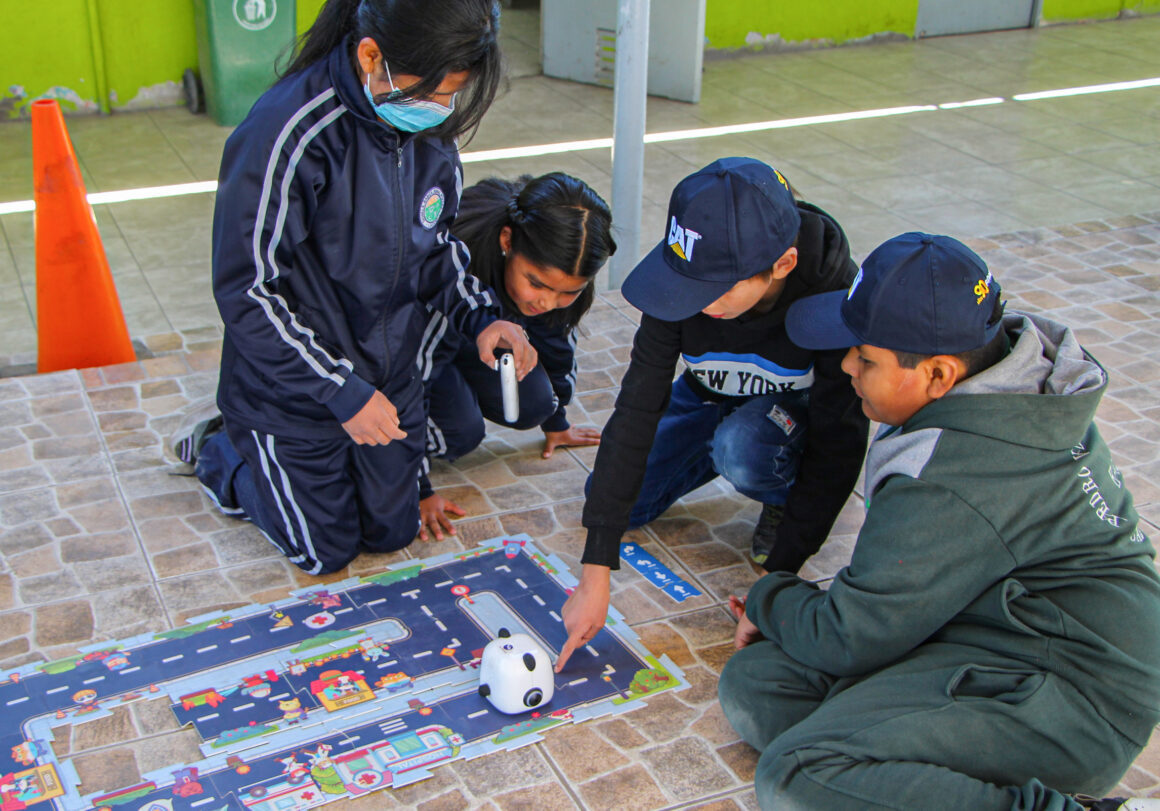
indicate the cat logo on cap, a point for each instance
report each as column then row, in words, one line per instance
column 682, row 240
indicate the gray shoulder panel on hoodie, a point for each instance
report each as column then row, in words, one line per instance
column 897, row 453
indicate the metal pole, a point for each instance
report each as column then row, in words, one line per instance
column 630, row 95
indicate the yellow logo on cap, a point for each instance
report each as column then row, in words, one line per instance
column 781, row 179
column 983, row 289
column 682, row 240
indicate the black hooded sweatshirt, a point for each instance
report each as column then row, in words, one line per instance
column 742, row 357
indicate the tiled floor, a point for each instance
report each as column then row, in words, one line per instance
column 98, row 541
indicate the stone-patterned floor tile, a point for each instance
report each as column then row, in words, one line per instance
column 688, row 768
column 484, row 778
column 108, row 769
column 723, row 804
column 581, row 753
column 629, row 788
column 535, row 798
column 194, row 594
column 98, row 540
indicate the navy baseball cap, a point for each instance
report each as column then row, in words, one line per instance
column 726, row 223
column 930, row 295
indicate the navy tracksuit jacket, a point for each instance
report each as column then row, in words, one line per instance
column 331, row 250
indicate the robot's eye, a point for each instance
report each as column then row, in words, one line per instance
column 509, row 647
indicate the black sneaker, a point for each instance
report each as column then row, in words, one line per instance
column 189, row 446
column 765, row 533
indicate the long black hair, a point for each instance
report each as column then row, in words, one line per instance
column 557, row 221
column 425, row 38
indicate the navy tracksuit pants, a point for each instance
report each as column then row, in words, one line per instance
column 462, row 393
column 321, row 501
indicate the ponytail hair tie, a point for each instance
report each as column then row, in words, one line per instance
column 516, row 214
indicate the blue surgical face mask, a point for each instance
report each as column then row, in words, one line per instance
column 410, row 115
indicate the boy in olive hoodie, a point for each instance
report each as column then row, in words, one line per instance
column 997, row 631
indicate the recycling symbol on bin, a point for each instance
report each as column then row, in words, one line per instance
column 254, row 15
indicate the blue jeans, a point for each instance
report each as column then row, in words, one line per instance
column 755, row 443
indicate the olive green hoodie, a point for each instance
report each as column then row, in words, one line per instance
column 996, row 520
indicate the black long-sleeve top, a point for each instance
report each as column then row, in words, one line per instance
column 740, row 357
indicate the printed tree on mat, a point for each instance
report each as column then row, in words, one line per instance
column 649, row 681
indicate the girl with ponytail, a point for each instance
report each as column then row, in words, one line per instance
column 538, row 242
column 331, row 248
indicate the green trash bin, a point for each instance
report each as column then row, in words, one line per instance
column 238, row 42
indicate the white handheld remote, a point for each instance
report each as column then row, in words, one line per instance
column 510, row 387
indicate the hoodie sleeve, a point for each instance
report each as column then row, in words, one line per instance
column 445, row 285
column 923, row 555
column 267, row 195
column 628, row 437
column 831, row 460
column 557, row 350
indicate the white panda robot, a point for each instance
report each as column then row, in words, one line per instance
column 515, row 673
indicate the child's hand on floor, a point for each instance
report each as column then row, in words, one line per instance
column 746, row 632
column 570, row 437
column 433, row 514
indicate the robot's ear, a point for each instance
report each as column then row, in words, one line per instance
column 504, row 633
column 529, row 661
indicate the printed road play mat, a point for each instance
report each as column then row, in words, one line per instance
column 333, row 692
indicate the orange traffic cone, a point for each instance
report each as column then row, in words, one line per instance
column 78, row 315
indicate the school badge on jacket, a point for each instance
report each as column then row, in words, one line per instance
column 431, row 207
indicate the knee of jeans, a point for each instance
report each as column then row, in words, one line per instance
column 734, row 459
column 750, row 465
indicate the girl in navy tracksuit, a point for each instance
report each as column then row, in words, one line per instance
column 538, row 242
column 330, row 250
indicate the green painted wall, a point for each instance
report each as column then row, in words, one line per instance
column 307, row 11
column 732, row 24
column 47, row 59
column 1059, row 10
column 741, row 23
column 1070, row 10
column 143, row 46
column 147, row 46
